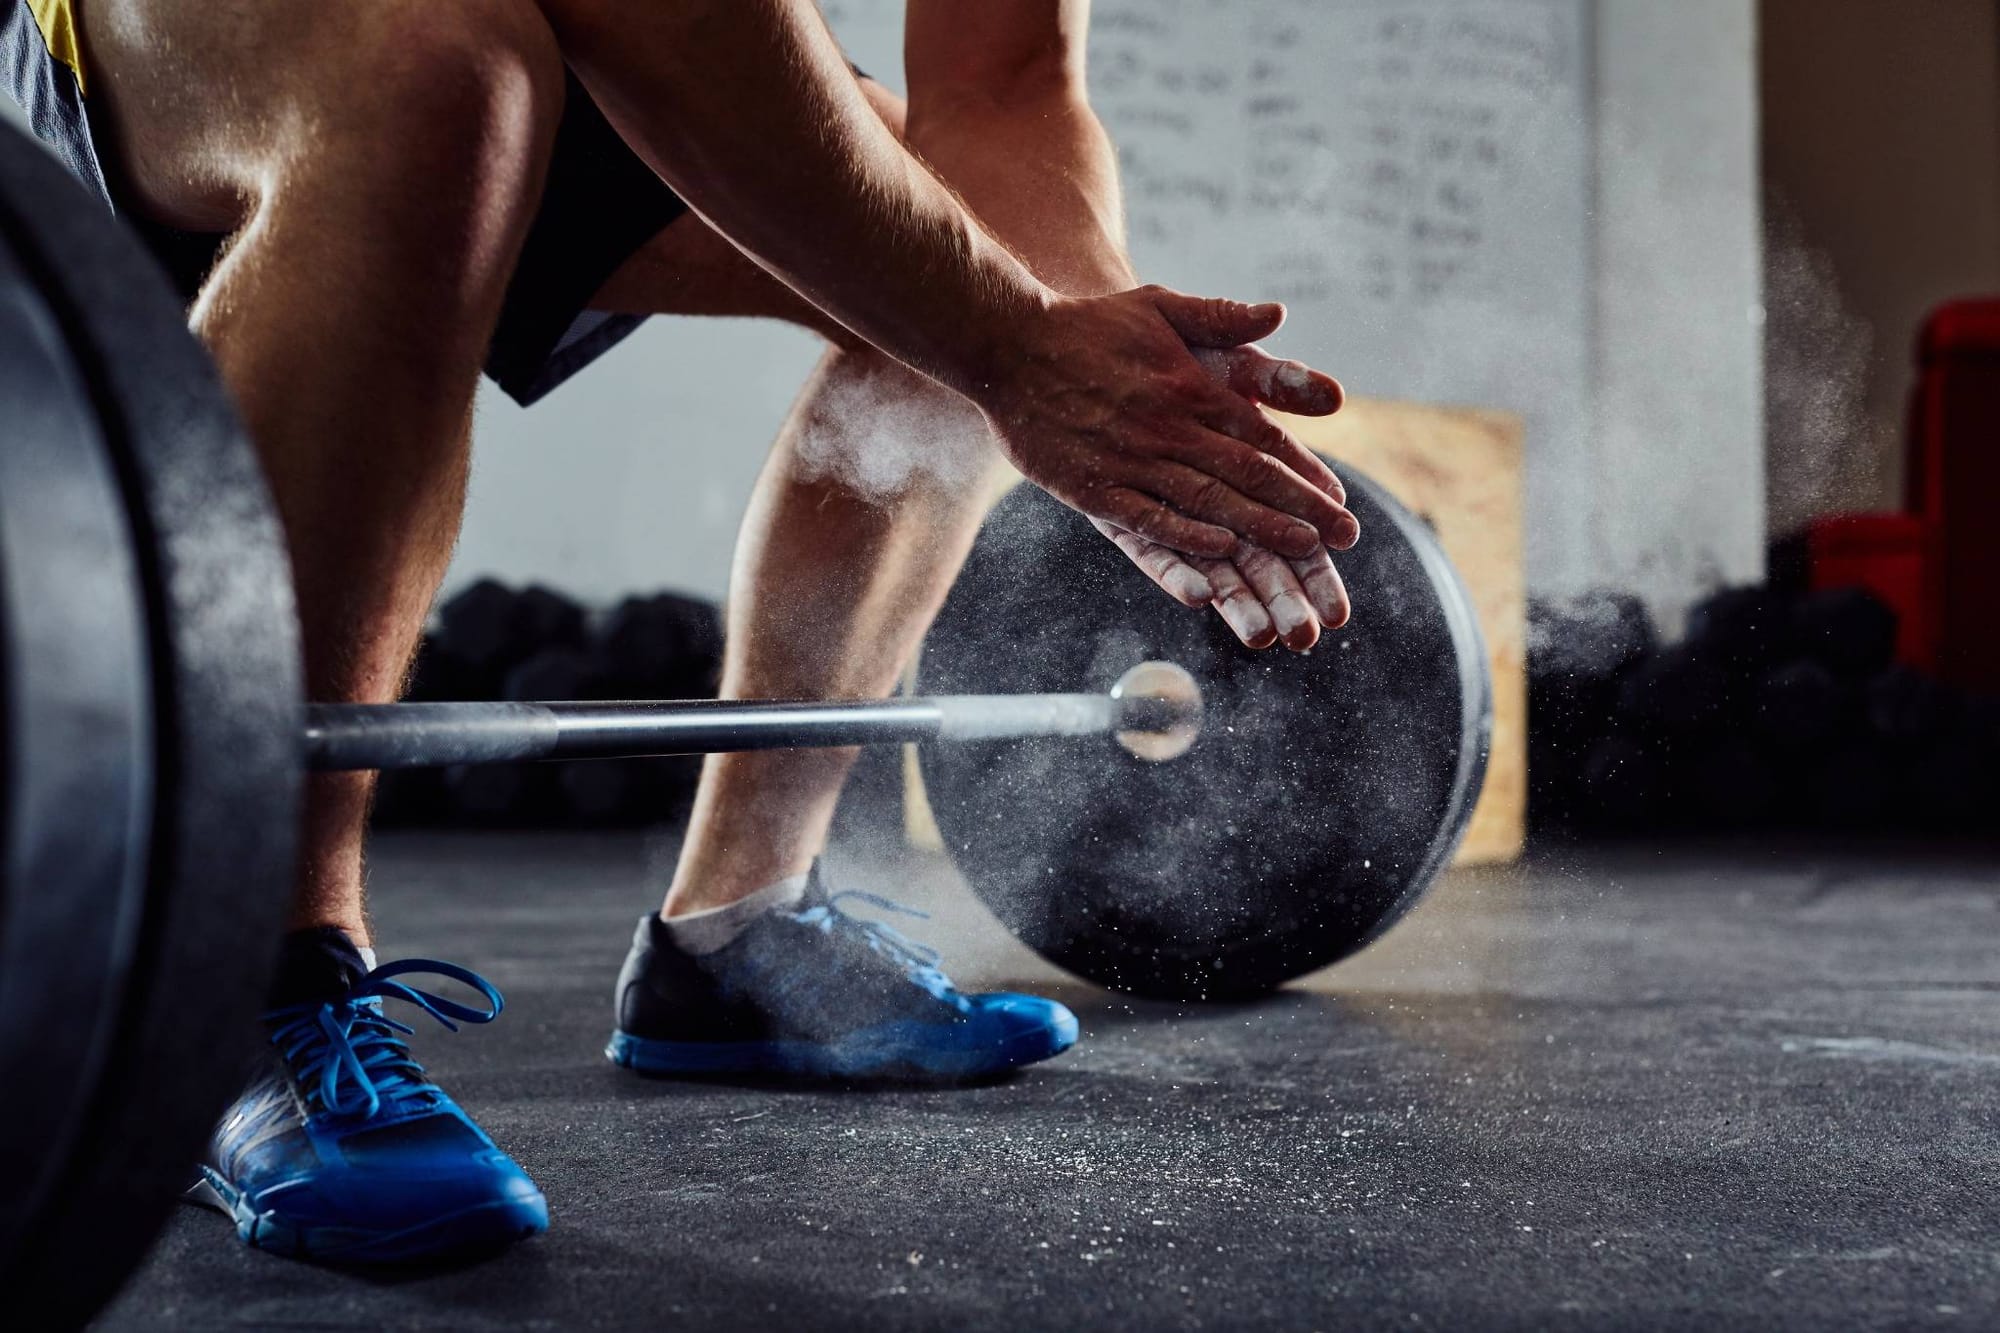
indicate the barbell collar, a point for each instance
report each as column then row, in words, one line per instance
column 435, row 735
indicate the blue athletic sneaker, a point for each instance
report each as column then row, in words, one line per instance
column 816, row 992
column 343, row 1151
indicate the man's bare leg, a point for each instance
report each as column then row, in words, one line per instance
column 860, row 521
column 833, row 587
column 866, row 509
column 379, row 166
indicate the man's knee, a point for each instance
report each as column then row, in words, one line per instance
column 884, row 433
column 216, row 103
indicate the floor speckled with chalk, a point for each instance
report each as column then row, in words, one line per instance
column 1744, row 1086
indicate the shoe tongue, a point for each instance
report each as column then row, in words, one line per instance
column 816, row 894
column 317, row 964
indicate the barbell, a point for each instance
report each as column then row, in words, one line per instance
column 153, row 747
column 1153, row 710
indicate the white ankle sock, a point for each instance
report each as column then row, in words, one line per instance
column 707, row 931
column 367, row 957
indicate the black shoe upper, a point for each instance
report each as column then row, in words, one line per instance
column 813, row 973
column 317, row 964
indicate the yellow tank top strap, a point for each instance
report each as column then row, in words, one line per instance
column 57, row 20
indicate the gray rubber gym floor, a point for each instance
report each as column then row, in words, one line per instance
column 1746, row 1086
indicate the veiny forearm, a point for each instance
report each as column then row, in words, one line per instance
column 1040, row 172
column 747, row 108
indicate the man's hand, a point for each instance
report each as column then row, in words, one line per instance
column 1100, row 402
column 1262, row 598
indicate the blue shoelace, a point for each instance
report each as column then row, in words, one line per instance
column 350, row 1039
column 918, row 961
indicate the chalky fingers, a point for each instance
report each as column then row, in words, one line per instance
column 1278, row 587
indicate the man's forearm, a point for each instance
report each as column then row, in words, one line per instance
column 1041, row 173
column 703, row 87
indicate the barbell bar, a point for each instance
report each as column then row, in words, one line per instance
column 1154, row 711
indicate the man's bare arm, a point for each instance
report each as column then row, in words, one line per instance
column 999, row 105
column 747, row 108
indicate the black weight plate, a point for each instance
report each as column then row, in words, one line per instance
column 224, row 689
column 1324, row 794
column 77, row 753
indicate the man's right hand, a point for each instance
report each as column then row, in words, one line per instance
column 1101, row 403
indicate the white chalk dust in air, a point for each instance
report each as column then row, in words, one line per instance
column 1823, row 451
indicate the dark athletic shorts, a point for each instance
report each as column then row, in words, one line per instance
column 600, row 205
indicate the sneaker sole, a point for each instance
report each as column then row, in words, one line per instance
column 478, row 1229
column 895, row 1050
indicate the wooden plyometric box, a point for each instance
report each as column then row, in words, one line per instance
column 1461, row 470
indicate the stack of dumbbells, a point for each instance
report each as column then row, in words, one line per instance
column 1778, row 709
column 494, row 642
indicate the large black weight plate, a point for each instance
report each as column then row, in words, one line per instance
column 222, row 689
column 1325, row 792
column 77, row 753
